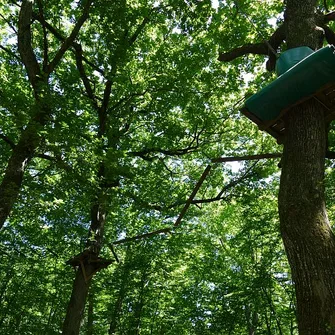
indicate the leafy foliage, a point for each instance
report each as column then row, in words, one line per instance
column 172, row 108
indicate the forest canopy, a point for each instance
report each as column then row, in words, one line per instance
column 110, row 112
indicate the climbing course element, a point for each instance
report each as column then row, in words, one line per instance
column 311, row 77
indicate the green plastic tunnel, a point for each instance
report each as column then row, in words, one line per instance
column 298, row 82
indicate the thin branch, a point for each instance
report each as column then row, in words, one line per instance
column 145, row 153
column 61, row 37
column 82, row 72
column 193, row 194
column 246, row 158
column 9, row 23
column 68, row 41
column 140, row 237
column 7, row 140
column 114, row 253
column 138, row 31
column 180, row 217
column 187, row 204
column 45, row 37
column 24, row 42
column 59, row 163
column 225, row 188
column 10, row 52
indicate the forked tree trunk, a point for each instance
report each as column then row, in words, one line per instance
column 307, row 235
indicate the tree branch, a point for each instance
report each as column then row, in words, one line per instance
column 9, row 23
column 61, row 37
column 329, row 17
column 187, row 204
column 329, row 35
column 68, row 41
column 330, row 155
column 45, row 37
column 180, row 217
column 7, row 140
column 226, row 188
column 10, row 52
column 246, row 158
column 82, row 73
column 257, row 48
column 139, row 29
column 142, row 236
column 193, row 194
column 24, row 42
column 274, row 42
column 265, row 48
column 145, row 153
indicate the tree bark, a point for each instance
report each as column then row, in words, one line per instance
column 30, row 138
column 86, row 269
column 305, row 229
column 77, row 302
column 307, row 235
column 12, row 180
column 98, row 213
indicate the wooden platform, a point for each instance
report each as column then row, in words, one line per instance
column 276, row 127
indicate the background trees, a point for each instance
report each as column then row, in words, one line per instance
column 111, row 112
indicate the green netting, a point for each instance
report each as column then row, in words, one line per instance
column 300, row 81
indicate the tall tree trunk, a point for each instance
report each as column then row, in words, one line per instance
column 13, row 178
column 86, row 269
column 88, row 261
column 307, row 235
column 77, row 302
column 29, row 140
